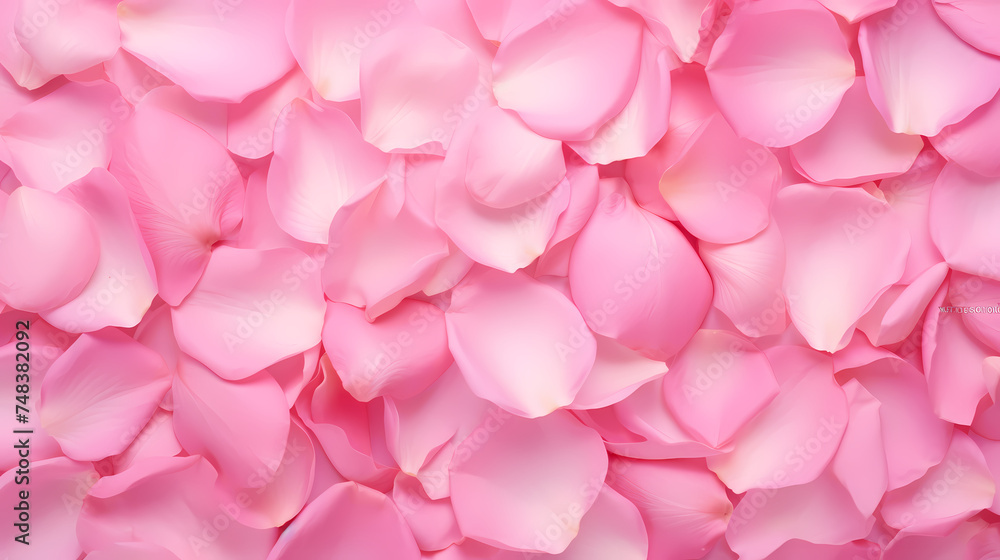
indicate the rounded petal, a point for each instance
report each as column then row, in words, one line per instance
column 635, row 278
column 390, row 247
column 968, row 142
column 683, row 504
column 320, row 164
column 182, row 210
column 856, row 145
column 251, row 125
column 121, row 289
column 62, row 136
column 327, row 39
column 230, row 49
column 539, row 476
column 49, row 249
column 249, row 420
column 398, row 355
column 721, row 187
column 100, row 393
column 508, row 164
column 643, row 120
column 779, row 70
column 415, row 84
column 845, row 247
column 921, row 76
column 76, row 36
column 173, row 503
column 792, row 440
column 568, row 74
column 952, row 491
column 747, row 278
column 718, row 383
column 617, row 372
column 251, row 310
column 961, row 207
column 492, row 313
column 975, row 21
column 348, row 521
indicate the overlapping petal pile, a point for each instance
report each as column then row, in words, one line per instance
column 502, row 279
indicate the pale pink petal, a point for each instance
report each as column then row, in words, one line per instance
column 155, row 439
column 779, row 70
column 643, row 426
column 951, row 492
column 277, row 495
column 975, row 21
column 968, row 142
column 953, row 364
column 747, row 280
column 58, row 238
column 249, row 419
column 909, row 195
column 133, row 77
column 961, row 209
column 209, row 116
column 536, row 475
column 251, row 124
column 348, row 521
column 398, row 355
column 327, row 39
column 721, row 187
column 792, row 440
column 75, row 36
column 897, row 311
column 684, row 506
column 230, row 49
column 845, row 247
column 618, row 371
column 915, row 439
column 259, row 230
column 21, row 67
column 432, row 522
column 62, row 136
column 100, row 393
column 856, row 145
column 679, row 24
column 382, row 248
column 415, row 81
column 636, row 278
column 643, row 120
column 250, row 310
column 495, row 19
column 508, row 164
column 182, row 210
column 54, row 490
column 856, row 10
column 293, row 374
column 504, row 238
column 566, row 74
column 122, row 288
column 921, row 76
column 320, row 164
column 421, row 436
column 555, row 349
column 173, row 503
column 717, row 383
column 584, row 191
